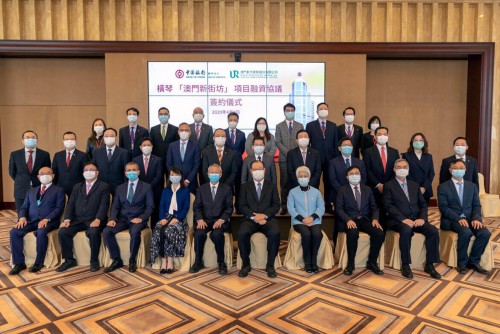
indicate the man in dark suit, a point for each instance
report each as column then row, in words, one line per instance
column 219, row 154
column 162, row 135
column 212, row 210
column 201, row 133
column 323, row 134
column 303, row 155
column 236, row 142
column 111, row 160
column 460, row 146
column 131, row 135
column 258, row 146
column 132, row 206
column 259, row 204
column 87, row 210
column 68, row 164
column 24, row 165
column 460, row 209
column 407, row 214
column 357, row 211
column 351, row 130
column 41, row 213
column 185, row 154
column 151, row 171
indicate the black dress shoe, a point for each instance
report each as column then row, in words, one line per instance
column 222, row 268
column 308, row 268
column 462, row 269
column 66, row 265
column 271, row 272
column 478, row 268
column 349, row 269
column 195, row 268
column 244, row 271
column 36, row 268
column 315, row 268
column 406, row 271
column 132, row 266
column 94, row 266
column 283, row 211
column 374, row 268
column 116, row 264
column 17, row 269
column 429, row 268
column 163, row 271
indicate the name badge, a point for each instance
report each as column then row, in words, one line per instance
column 38, row 202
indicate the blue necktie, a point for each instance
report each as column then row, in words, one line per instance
column 290, row 129
column 347, row 163
column 460, row 192
column 231, row 136
column 405, row 189
column 259, row 190
column 132, row 137
column 183, row 150
column 130, row 195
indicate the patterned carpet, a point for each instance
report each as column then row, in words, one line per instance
column 78, row 301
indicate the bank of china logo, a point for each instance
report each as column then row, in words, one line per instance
column 179, row 74
column 234, row 74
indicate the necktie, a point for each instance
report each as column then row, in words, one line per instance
column 304, row 155
column 384, row 159
column 109, row 154
column 130, row 195
column 259, row 190
column 68, row 159
column 233, row 137
column 163, row 133
column 323, row 129
column 42, row 190
column 88, row 188
column 198, row 131
column 29, row 164
column 357, row 194
column 405, row 189
column 349, row 131
column 219, row 155
column 213, row 193
column 146, row 164
column 260, row 158
column 461, row 192
column 347, row 163
column 290, row 128
column 183, row 150
column 132, row 137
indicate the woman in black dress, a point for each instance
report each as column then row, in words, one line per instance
column 368, row 137
column 96, row 139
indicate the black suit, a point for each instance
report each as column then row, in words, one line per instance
column 112, row 172
column 294, row 160
column 206, row 135
column 211, row 210
column 23, row 179
column 471, row 172
column 126, row 143
column 356, row 137
column 82, row 210
column 399, row 207
column 160, row 145
column 347, row 209
column 269, row 205
column 67, row 176
column 154, row 177
column 229, row 164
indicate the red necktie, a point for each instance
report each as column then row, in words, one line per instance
column 68, row 159
column 29, row 164
column 384, row 159
column 42, row 190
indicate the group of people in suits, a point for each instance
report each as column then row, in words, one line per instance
column 381, row 191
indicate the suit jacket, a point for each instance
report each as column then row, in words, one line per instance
column 206, row 135
column 356, row 137
column 92, row 145
column 313, row 162
column 191, row 164
column 327, row 147
column 269, row 149
column 112, row 172
column 471, row 172
column 141, row 207
column 366, row 142
column 421, row 171
column 269, row 203
column 397, row 205
column 450, row 207
column 229, row 165
column 67, row 176
column 51, row 205
column 239, row 144
column 286, row 141
column 374, row 168
column 183, row 201
column 160, row 146
column 337, row 173
column 18, row 170
column 347, row 208
column 268, row 161
column 125, row 142
column 83, row 208
column 210, row 210
column 154, row 176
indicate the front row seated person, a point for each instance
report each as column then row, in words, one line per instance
column 87, row 210
column 259, row 204
column 460, row 209
column 40, row 212
column 132, row 206
column 357, row 211
column 306, row 207
column 212, row 209
column 170, row 234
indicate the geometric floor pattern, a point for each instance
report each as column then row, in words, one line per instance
column 79, row 301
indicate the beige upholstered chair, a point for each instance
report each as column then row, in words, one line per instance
column 258, row 253
column 294, row 257
column 123, row 240
column 448, row 250
column 490, row 203
column 53, row 256
column 361, row 254
column 209, row 254
column 417, row 250
column 81, row 249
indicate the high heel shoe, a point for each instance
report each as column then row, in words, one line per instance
column 170, row 270
column 163, row 271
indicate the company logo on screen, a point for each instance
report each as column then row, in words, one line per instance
column 179, row 74
column 234, row 74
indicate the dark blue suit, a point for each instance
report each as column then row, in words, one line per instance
column 238, row 148
column 36, row 208
column 471, row 172
column 126, row 143
column 421, row 171
column 294, row 160
column 191, row 163
column 452, row 211
column 154, row 177
column 337, row 173
column 122, row 212
column 356, row 137
column 211, row 210
column 67, row 176
column 112, row 172
column 183, row 201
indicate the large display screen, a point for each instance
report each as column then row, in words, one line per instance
column 250, row 89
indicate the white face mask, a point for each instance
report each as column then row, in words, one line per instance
column 99, row 129
column 147, row 149
column 303, row 142
column 132, row 118
column 261, row 127
column 232, row 125
column 323, row 113
column 45, row 179
column 374, row 126
column 184, row 135
column 109, row 141
column 198, row 117
column 258, row 175
column 460, row 150
column 220, row 141
column 354, row 179
column 89, row 175
column 69, row 144
column 382, row 140
column 402, row 173
column 349, row 118
column 258, row 150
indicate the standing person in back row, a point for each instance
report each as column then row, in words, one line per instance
column 236, row 142
column 131, row 135
column 201, row 133
column 350, row 130
column 162, row 135
column 460, row 146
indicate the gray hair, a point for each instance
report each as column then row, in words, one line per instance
column 215, row 165
column 302, row 169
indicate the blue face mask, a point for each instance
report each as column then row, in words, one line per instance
column 458, row 173
column 132, row 176
column 175, row 179
column 346, row 150
column 214, row 178
column 418, row 145
column 303, row 181
column 163, row 118
column 290, row 115
column 30, row 142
